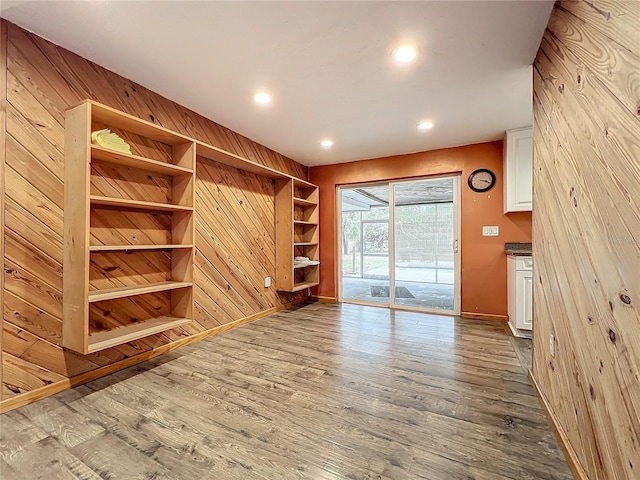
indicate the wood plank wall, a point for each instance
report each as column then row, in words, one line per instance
column 586, row 231
column 3, row 124
column 235, row 245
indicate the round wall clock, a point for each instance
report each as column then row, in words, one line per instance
column 482, row 180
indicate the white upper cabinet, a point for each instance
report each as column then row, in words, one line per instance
column 518, row 170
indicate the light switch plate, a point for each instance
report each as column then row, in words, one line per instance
column 267, row 282
column 490, row 231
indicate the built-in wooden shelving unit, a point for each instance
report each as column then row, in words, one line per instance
column 80, row 331
column 296, row 235
column 296, row 227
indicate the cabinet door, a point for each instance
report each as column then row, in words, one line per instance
column 518, row 171
column 524, row 301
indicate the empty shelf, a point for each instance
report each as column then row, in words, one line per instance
column 298, row 182
column 130, row 291
column 221, row 156
column 302, row 201
column 304, row 222
column 127, row 248
column 135, row 331
column 105, row 155
column 137, row 204
column 303, row 285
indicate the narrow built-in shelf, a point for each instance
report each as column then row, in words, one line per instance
column 305, row 265
column 298, row 182
column 117, row 336
column 302, row 201
column 137, row 204
column 110, row 116
column 227, row 158
column 304, row 244
column 126, row 248
column 301, row 286
column 304, row 222
column 105, row 155
column 130, row 291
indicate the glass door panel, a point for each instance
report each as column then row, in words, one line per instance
column 365, row 244
column 424, row 223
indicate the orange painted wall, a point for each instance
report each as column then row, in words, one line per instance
column 484, row 264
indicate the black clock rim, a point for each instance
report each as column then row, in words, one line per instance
column 481, row 170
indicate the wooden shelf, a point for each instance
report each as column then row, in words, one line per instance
column 303, row 202
column 301, row 286
column 305, row 265
column 130, row 291
column 127, row 248
column 111, row 338
column 100, row 154
column 115, row 119
column 305, row 244
column 304, row 222
column 126, row 203
column 298, row 182
column 221, row 156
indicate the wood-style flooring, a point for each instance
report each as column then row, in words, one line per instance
column 317, row 392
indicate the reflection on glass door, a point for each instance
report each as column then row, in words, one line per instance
column 424, row 239
column 365, row 244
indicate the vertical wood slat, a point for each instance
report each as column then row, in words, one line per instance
column 75, row 325
column 3, row 133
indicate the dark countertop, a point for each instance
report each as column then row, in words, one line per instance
column 518, row 249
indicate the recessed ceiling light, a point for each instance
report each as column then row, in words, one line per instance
column 425, row 126
column 262, row 97
column 326, row 143
column 405, row 54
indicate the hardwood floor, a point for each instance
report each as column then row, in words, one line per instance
column 318, row 392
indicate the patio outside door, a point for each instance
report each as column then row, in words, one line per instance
column 399, row 246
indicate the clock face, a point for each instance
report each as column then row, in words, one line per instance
column 482, row 180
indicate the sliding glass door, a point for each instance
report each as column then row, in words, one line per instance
column 399, row 244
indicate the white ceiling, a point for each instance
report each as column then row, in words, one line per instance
column 327, row 65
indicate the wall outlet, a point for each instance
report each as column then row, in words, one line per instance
column 490, row 231
column 267, row 282
column 552, row 345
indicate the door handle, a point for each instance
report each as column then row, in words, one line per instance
column 455, row 246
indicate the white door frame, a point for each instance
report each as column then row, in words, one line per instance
column 456, row 245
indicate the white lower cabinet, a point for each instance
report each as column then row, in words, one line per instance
column 520, row 275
